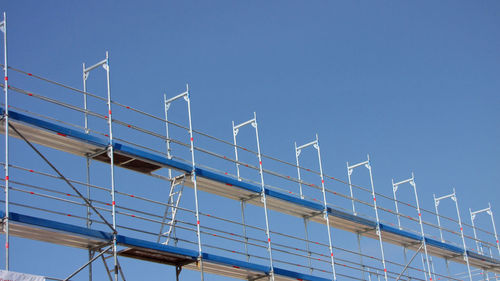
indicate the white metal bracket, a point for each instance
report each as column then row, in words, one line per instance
column 2, row 26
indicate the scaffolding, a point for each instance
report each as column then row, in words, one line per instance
column 110, row 221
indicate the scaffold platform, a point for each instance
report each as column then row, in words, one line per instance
column 78, row 143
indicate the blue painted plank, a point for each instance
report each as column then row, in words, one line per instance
column 57, row 129
column 59, row 226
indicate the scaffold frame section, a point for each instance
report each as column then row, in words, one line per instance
column 84, row 238
column 73, row 141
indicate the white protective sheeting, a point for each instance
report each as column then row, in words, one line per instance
column 16, row 276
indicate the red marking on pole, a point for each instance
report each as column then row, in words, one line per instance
column 268, row 239
column 191, row 139
column 6, row 245
column 132, row 195
column 214, row 234
column 30, row 94
column 128, row 126
column 229, row 184
column 29, row 74
column 127, row 107
column 106, row 135
column 68, row 215
column 132, row 216
column 113, row 203
column 288, row 176
column 260, row 162
column 68, row 194
column 6, row 78
column 109, row 112
column 419, row 214
column 331, row 254
column 236, row 266
column 225, row 157
column 308, row 170
column 244, row 148
column 322, row 181
column 335, row 193
column 108, row 204
column 31, row 171
column 374, row 199
column 61, row 134
column 290, row 192
column 208, row 215
column 461, row 229
column 7, row 178
column 385, row 269
column 32, row 192
column 106, row 117
column 198, row 222
column 497, row 241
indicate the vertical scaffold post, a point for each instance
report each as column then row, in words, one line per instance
column 85, row 75
column 242, row 203
column 167, row 133
column 367, row 165
column 436, row 203
column 186, row 96
column 253, row 123
column 3, row 28
column 301, row 192
column 315, row 144
column 473, row 217
column 395, row 187
column 453, row 197
column 110, row 152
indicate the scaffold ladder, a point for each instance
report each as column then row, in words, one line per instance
column 170, row 214
column 298, row 150
column 112, row 270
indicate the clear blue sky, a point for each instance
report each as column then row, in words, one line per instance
column 414, row 84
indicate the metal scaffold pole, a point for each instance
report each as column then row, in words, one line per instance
column 395, row 186
column 3, row 28
column 453, row 197
column 253, row 123
column 299, row 177
column 367, row 165
column 85, row 75
column 185, row 95
column 298, row 150
column 110, row 152
column 242, row 203
column 479, row 247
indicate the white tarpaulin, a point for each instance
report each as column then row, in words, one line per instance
column 15, row 276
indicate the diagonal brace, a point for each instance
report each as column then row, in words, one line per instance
column 87, row 202
column 406, row 266
column 88, row 263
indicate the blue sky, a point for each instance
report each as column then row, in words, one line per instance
column 414, row 84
